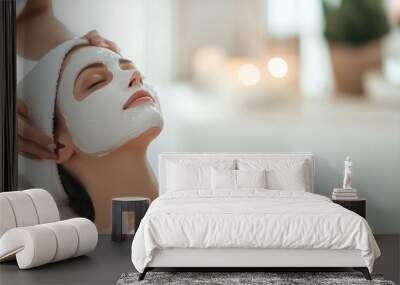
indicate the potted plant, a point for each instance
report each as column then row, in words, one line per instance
column 354, row 29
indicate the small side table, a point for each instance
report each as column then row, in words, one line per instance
column 358, row 206
column 120, row 206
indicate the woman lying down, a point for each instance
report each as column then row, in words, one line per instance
column 94, row 104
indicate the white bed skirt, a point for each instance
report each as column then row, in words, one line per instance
column 235, row 257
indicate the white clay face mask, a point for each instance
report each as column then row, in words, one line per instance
column 99, row 123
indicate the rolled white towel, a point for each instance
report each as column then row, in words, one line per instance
column 23, row 208
column 32, row 246
column 45, row 206
column 67, row 240
column 7, row 218
column 26, row 208
column 40, row 244
column 87, row 234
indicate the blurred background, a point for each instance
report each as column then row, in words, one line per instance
column 269, row 76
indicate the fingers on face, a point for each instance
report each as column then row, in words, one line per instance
column 28, row 155
column 32, row 150
column 113, row 46
column 96, row 39
column 27, row 132
column 32, row 143
column 92, row 33
column 22, row 109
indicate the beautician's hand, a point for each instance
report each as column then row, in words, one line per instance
column 95, row 39
column 32, row 142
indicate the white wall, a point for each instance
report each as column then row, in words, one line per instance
column 329, row 128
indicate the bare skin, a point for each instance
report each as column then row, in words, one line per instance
column 38, row 31
column 123, row 172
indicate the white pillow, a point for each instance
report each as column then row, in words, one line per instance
column 236, row 179
column 223, row 179
column 189, row 174
column 282, row 174
column 251, row 178
column 182, row 177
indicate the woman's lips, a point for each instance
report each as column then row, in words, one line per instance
column 137, row 98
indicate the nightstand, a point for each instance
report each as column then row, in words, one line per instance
column 358, row 206
column 120, row 206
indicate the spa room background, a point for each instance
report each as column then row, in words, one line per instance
column 258, row 76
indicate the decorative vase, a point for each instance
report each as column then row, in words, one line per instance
column 349, row 63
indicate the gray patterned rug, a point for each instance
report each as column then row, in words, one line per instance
column 269, row 278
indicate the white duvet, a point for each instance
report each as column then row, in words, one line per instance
column 251, row 218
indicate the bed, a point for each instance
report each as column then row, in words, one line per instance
column 257, row 210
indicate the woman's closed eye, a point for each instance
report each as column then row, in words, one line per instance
column 96, row 81
column 90, row 79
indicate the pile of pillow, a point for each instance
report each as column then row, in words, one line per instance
column 271, row 174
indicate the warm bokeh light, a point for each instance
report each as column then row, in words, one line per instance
column 277, row 67
column 209, row 58
column 249, row 74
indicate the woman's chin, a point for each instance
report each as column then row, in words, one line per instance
column 148, row 135
column 143, row 140
column 138, row 143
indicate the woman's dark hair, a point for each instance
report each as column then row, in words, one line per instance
column 79, row 199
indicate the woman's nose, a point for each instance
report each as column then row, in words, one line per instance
column 136, row 79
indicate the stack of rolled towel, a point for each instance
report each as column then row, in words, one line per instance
column 344, row 194
column 31, row 231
